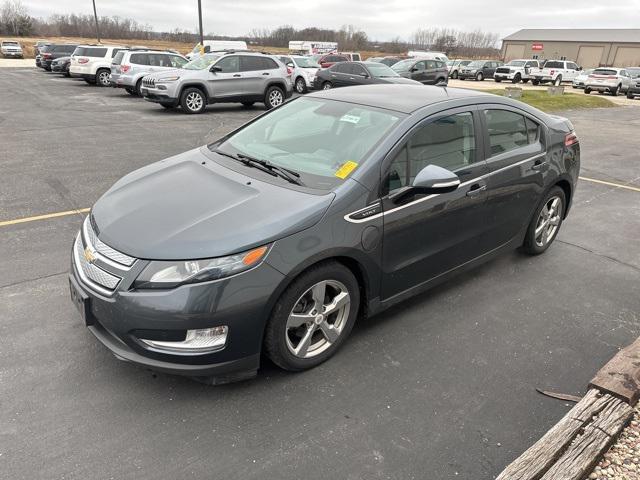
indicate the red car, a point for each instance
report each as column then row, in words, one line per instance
column 327, row 59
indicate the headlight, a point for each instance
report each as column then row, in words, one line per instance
column 168, row 79
column 161, row 274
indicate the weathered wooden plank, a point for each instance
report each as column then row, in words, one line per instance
column 621, row 375
column 585, row 451
column 539, row 458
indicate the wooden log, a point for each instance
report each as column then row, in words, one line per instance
column 591, row 411
column 621, row 375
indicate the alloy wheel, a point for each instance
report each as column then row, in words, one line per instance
column 548, row 221
column 317, row 319
column 194, row 101
column 275, row 98
column 300, row 85
column 103, row 78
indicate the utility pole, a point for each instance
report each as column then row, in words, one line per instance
column 200, row 23
column 95, row 14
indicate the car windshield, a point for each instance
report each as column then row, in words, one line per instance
column 201, row 63
column 380, row 70
column 476, row 64
column 306, row 62
column 323, row 140
column 516, row 63
column 634, row 72
column 403, row 65
column 13, row 44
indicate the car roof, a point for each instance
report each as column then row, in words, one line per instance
column 401, row 98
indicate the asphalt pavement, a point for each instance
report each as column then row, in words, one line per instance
column 442, row 386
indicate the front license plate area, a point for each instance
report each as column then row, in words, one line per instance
column 81, row 301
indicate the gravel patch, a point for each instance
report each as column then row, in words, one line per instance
column 622, row 461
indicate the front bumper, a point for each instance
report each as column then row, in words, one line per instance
column 12, row 54
column 156, row 95
column 121, row 319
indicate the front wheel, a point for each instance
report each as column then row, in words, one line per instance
column 614, row 91
column 327, row 86
column 546, row 222
column 192, row 100
column 454, row 75
column 479, row 77
column 301, row 86
column 274, row 97
column 517, row 78
column 313, row 317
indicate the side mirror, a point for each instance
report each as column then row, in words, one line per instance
column 431, row 179
column 215, row 69
column 414, row 69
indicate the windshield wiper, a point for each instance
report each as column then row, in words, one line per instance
column 265, row 166
column 290, row 175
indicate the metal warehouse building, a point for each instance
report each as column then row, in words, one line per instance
column 587, row 47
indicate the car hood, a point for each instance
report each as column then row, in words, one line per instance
column 402, row 80
column 179, row 72
column 189, row 207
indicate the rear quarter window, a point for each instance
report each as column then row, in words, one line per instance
column 117, row 60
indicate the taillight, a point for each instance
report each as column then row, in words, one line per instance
column 570, row 139
column 125, row 68
column 47, row 55
column 83, row 60
column 552, row 72
column 289, row 70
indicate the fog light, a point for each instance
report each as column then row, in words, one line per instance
column 196, row 342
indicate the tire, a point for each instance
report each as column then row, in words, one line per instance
column 587, row 90
column 558, row 81
column 535, row 82
column 517, row 78
column 454, row 75
column 248, row 104
column 630, row 95
column 327, row 86
column 102, row 77
column 131, row 91
column 615, row 91
column 301, row 86
column 537, row 244
column 193, row 100
column 273, row 97
column 480, row 77
column 282, row 337
column 138, row 89
column 497, row 80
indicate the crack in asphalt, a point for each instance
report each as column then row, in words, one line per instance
column 602, row 255
column 33, row 279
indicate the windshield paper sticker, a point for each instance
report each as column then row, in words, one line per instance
column 346, row 168
column 350, row 118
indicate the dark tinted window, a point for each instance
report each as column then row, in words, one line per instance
column 139, row 58
column 115, row 51
column 448, row 142
column 91, row 51
column 572, row 65
column 358, row 69
column 251, row 64
column 341, row 68
column 159, row 60
column 507, row 131
column 554, row 65
column 229, row 64
column 268, row 63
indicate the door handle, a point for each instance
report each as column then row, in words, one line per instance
column 539, row 165
column 237, row 75
column 476, row 189
column 265, row 73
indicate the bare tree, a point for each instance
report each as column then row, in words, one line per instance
column 15, row 19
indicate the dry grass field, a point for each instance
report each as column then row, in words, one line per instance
column 28, row 43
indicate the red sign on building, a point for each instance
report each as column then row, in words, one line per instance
column 537, row 46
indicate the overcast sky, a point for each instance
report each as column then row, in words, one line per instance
column 381, row 19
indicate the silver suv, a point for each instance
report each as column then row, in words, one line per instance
column 129, row 66
column 242, row 77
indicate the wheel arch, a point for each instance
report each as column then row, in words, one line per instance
column 198, row 85
column 566, row 187
column 276, row 83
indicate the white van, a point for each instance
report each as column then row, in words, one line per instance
column 217, row 45
column 428, row 55
column 300, row 47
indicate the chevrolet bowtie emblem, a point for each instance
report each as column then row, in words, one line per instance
column 88, row 255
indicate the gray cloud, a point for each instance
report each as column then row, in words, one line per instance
column 381, row 19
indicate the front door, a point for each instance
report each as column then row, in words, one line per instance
column 428, row 235
column 418, row 71
column 228, row 81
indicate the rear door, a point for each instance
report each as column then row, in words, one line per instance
column 340, row 74
column 256, row 73
column 359, row 75
column 228, row 81
column 419, row 71
column 515, row 148
column 428, row 235
column 430, row 71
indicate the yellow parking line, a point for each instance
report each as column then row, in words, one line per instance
column 611, row 184
column 43, row 217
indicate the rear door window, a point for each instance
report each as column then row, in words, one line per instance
column 508, row 131
column 358, row 70
column 92, row 51
column 554, row 65
column 251, row 64
column 139, row 58
column 268, row 63
column 431, row 64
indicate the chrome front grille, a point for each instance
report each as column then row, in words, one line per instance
column 104, row 249
column 148, row 82
column 99, row 266
column 91, row 271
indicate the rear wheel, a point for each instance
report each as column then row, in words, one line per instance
column 193, row 100
column 479, row 77
column 454, row 75
column 558, row 81
column 313, row 317
column 102, row 77
column 327, row 86
column 546, row 222
column 614, row 91
column 274, row 97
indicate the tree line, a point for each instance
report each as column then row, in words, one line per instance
column 15, row 20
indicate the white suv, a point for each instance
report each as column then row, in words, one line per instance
column 93, row 63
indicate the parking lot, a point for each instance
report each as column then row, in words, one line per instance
column 442, row 386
